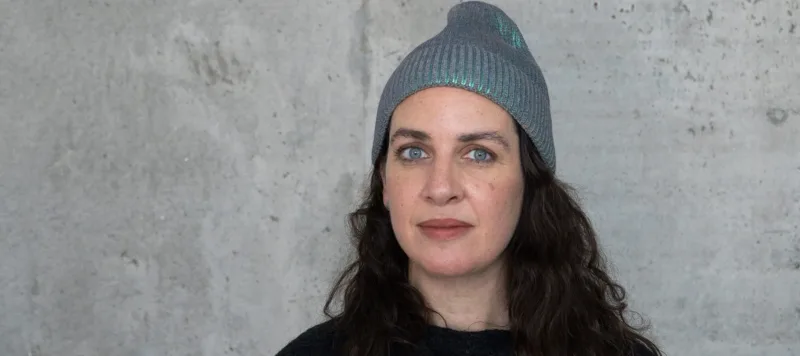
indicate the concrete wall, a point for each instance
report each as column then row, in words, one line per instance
column 174, row 177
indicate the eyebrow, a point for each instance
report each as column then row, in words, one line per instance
column 469, row 137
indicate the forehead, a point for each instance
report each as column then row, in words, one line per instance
column 445, row 109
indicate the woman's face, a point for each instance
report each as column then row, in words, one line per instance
column 453, row 182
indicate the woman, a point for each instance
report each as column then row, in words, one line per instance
column 467, row 243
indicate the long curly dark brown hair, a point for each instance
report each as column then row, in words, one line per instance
column 562, row 301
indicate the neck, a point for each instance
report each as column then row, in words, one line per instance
column 470, row 303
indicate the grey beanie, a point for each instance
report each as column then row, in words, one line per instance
column 481, row 50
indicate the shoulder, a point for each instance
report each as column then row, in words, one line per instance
column 318, row 340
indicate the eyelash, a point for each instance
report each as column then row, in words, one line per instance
column 398, row 153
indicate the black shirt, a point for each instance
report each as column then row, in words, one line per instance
column 320, row 340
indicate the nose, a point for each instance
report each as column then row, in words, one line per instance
column 443, row 185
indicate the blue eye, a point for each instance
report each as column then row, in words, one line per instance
column 480, row 155
column 412, row 153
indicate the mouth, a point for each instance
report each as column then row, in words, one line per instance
column 444, row 229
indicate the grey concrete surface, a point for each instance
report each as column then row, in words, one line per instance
column 174, row 175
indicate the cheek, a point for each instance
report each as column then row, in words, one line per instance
column 399, row 190
column 501, row 202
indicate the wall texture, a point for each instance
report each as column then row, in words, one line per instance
column 174, row 177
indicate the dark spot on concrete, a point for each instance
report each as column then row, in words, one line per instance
column 35, row 287
column 212, row 74
column 710, row 16
column 595, row 5
column 691, row 77
column 626, row 11
column 360, row 51
column 128, row 259
column 797, row 265
column 759, row 23
column 280, row 31
column 681, row 8
column 196, row 67
column 274, row 218
column 571, row 11
column 285, row 174
column 326, row 229
column 613, row 16
column 221, row 62
column 691, row 130
column 274, row 114
column 329, row 78
column 777, row 116
column 792, row 28
column 681, row 303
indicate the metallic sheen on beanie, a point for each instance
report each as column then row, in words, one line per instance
column 481, row 50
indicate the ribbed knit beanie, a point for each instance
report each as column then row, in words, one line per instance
column 480, row 50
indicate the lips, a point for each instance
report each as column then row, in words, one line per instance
column 444, row 229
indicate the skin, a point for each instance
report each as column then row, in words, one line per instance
column 455, row 154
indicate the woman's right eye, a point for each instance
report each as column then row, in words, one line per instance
column 412, row 153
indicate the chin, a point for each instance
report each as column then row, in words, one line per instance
column 448, row 266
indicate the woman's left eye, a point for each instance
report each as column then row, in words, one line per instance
column 480, row 155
